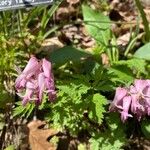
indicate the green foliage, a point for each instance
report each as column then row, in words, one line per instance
column 145, row 126
column 67, row 54
column 102, row 79
column 98, row 25
column 112, row 138
column 96, row 107
column 31, row 108
column 125, row 71
column 11, row 147
column 5, row 97
column 23, row 111
column 121, row 74
column 143, row 52
column 70, row 106
column 144, row 19
column 136, row 65
column 77, row 95
column 47, row 14
column 17, row 41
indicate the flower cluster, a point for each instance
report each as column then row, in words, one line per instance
column 135, row 99
column 34, row 80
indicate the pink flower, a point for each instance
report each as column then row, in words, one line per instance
column 29, row 71
column 117, row 102
column 135, row 99
column 35, row 80
column 121, row 103
column 126, row 106
column 140, row 93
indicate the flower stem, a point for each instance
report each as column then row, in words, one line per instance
column 145, row 21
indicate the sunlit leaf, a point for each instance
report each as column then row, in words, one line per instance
column 66, row 54
column 97, row 24
column 143, row 52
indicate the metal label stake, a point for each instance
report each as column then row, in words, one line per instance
column 18, row 4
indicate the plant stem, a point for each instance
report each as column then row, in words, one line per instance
column 145, row 22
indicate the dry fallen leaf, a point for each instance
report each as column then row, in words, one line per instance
column 73, row 1
column 124, row 39
column 65, row 13
column 105, row 59
column 49, row 45
column 145, row 2
column 38, row 137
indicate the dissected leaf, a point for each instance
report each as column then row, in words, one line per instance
column 97, row 107
column 121, row 74
column 70, row 106
column 135, row 64
column 112, row 138
column 145, row 126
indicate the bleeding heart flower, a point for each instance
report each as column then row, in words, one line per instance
column 135, row 99
column 126, row 106
column 117, row 102
column 36, row 79
column 29, row 71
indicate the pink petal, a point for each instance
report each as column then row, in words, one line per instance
column 20, row 81
column 28, row 72
column 41, row 84
column 133, row 90
column 50, row 89
column 140, row 85
column 124, row 116
column 134, row 104
column 49, row 84
column 27, row 97
column 32, row 84
column 126, row 106
column 148, row 82
column 146, row 92
column 46, row 65
column 117, row 102
column 148, row 111
column 35, row 79
column 147, row 101
column 120, row 93
column 32, row 66
column 126, row 103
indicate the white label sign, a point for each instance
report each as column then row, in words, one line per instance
column 17, row 4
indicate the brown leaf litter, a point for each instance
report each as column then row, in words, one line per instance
column 38, row 137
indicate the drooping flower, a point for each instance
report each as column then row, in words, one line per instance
column 134, row 99
column 29, row 71
column 117, row 102
column 140, row 93
column 121, row 103
column 35, row 80
column 125, row 110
